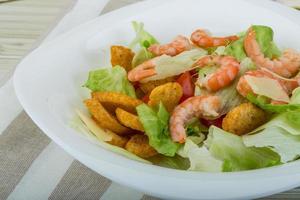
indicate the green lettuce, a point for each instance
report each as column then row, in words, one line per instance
column 230, row 97
column 176, row 162
column 282, row 133
column 199, row 157
column 278, row 140
column 236, row 49
column 264, row 38
column 205, row 71
column 262, row 102
column 110, row 79
column 156, row 125
column 235, row 155
column 141, row 56
column 295, row 99
column 143, row 38
column 195, row 127
column 77, row 124
column 220, row 51
column 289, row 121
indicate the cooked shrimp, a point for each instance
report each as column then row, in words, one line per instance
column 288, row 85
column 198, row 106
column 178, row 45
column 229, row 68
column 156, row 68
column 202, row 39
column 287, row 65
column 144, row 70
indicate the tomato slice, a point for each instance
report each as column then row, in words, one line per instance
column 136, row 85
column 216, row 122
column 188, row 87
column 145, row 98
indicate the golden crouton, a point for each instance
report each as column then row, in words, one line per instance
column 113, row 100
column 121, row 56
column 139, row 145
column 129, row 120
column 244, row 118
column 150, row 85
column 169, row 94
column 104, row 118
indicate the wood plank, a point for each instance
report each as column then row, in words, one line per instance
column 22, row 23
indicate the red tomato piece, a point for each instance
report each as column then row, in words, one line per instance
column 188, row 87
column 216, row 122
column 136, row 85
column 145, row 98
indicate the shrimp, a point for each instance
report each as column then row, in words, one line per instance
column 198, row 106
column 157, row 68
column 287, row 65
column 178, row 45
column 229, row 68
column 288, row 85
column 144, row 70
column 202, row 39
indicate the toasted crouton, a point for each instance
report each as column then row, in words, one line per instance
column 121, row 56
column 104, row 118
column 244, row 118
column 169, row 94
column 139, row 145
column 113, row 100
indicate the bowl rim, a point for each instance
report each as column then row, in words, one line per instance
column 265, row 173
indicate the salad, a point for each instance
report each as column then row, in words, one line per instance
column 204, row 103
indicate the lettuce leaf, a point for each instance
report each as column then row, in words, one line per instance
column 236, row 156
column 110, row 79
column 220, row 51
column 205, row 71
column 195, row 128
column 278, row 140
column 289, row 121
column 143, row 38
column 282, row 133
column 236, row 49
column 200, row 158
column 230, row 97
column 156, row 125
column 176, row 162
column 264, row 37
column 262, row 102
column 88, row 132
column 141, row 56
column 295, row 99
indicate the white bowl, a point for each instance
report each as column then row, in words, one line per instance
column 48, row 85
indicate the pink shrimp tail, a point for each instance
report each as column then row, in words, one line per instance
column 202, row 39
column 142, row 71
column 287, row 65
column 177, row 46
column 200, row 106
column 229, row 68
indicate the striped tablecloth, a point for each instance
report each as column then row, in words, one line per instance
column 31, row 166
